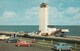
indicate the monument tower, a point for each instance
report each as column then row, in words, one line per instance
column 43, row 17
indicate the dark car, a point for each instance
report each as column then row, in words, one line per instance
column 62, row 34
column 26, row 36
column 12, row 40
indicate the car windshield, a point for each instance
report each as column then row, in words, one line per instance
column 64, row 44
column 23, row 42
column 11, row 38
column 61, row 44
column 57, row 44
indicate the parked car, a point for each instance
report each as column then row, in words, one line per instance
column 12, row 40
column 62, row 34
column 3, row 37
column 23, row 43
column 26, row 35
column 62, row 46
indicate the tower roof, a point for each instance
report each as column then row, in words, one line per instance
column 43, row 5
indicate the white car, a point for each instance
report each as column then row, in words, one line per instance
column 3, row 37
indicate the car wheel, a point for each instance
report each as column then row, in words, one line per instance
column 18, row 45
column 29, row 45
column 8, row 41
column 71, row 49
column 60, row 49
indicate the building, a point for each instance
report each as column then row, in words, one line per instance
column 43, row 22
column 43, row 17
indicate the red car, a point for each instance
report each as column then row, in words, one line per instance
column 23, row 43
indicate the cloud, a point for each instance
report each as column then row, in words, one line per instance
column 53, row 11
column 56, row 17
column 77, row 16
column 72, row 10
column 9, row 14
column 31, row 15
column 65, row 16
column 27, row 17
column 32, row 11
column 68, row 1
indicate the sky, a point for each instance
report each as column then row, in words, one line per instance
column 26, row 12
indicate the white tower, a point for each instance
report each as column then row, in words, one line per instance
column 43, row 17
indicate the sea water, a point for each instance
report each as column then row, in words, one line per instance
column 73, row 30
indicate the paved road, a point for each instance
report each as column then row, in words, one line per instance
column 11, row 47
